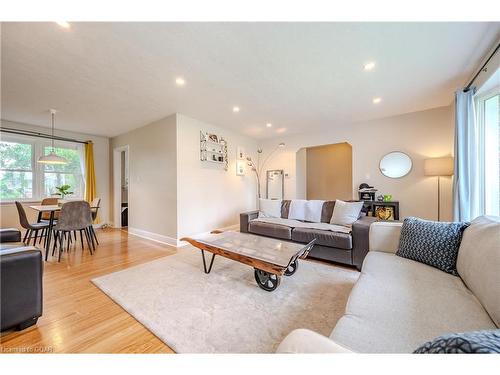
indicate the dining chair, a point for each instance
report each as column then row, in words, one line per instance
column 94, row 208
column 45, row 216
column 74, row 216
column 48, row 202
column 30, row 227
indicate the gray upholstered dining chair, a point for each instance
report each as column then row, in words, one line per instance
column 74, row 216
column 31, row 228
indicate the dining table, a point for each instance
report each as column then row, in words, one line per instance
column 52, row 209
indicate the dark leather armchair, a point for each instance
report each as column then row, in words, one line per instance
column 21, row 269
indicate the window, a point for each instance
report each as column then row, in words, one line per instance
column 16, row 170
column 62, row 174
column 22, row 178
column 488, row 117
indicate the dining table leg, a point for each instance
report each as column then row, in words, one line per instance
column 49, row 234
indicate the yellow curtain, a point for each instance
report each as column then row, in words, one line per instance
column 90, row 186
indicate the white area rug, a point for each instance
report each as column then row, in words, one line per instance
column 225, row 311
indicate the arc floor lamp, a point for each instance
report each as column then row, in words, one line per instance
column 439, row 167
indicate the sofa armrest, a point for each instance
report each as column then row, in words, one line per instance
column 245, row 218
column 21, row 272
column 306, row 341
column 384, row 236
column 360, row 239
column 10, row 235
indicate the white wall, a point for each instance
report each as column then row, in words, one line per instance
column 9, row 216
column 422, row 135
column 208, row 197
column 152, row 190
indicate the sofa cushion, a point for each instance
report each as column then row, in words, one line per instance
column 485, row 342
column 478, row 262
column 10, row 235
column 399, row 304
column 270, row 230
column 327, row 211
column 323, row 237
column 314, row 210
column 285, row 208
column 269, row 208
column 431, row 242
column 346, row 213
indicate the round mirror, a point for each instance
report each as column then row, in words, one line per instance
column 395, row 164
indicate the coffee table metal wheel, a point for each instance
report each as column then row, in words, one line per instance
column 267, row 281
column 290, row 270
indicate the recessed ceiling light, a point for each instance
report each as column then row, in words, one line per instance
column 63, row 24
column 269, row 125
column 376, row 100
column 369, row 66
column 236, row 109
column 179, row 81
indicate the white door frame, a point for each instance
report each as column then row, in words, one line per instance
column 117, row 183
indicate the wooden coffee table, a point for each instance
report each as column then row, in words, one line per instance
column 271, row 258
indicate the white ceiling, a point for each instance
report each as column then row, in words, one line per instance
column 108, row 78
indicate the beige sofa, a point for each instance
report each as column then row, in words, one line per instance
column 398, row 304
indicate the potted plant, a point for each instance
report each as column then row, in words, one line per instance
column 63, row 191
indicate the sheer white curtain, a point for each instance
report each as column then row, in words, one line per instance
column 81, row 152
column 468, row 185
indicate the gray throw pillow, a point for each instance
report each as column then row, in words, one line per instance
column 463, row 343
column 431, row 242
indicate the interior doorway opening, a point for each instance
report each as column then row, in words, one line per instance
column 325, row 172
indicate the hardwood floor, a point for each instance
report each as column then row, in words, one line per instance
column 77, row 316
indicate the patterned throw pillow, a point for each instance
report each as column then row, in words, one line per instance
column 431, row 242
column 462, row 343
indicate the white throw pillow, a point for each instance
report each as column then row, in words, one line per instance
column 313, row 211
column 269, row 207
column 346, row 213
column 297, row 209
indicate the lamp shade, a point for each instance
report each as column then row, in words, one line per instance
column 439, row 166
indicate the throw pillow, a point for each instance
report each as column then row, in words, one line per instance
column 297, row 209
column 346, row 213
column 431, row 242
column 313, row 211
column 463, row 343
column 269, row 207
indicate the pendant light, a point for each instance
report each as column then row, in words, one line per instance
column 52, row 158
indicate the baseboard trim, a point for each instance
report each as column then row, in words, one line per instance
column 153, row 236
column 184, row 243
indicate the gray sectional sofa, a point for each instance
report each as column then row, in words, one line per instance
column 346, row 248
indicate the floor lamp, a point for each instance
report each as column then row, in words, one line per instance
column 439, row 167
column 257, row 169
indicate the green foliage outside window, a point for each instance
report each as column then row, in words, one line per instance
column 15, row 170
column 18, row 180
column 63, row 174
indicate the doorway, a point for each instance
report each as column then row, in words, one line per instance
column 121, row 186
column 325, row 172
